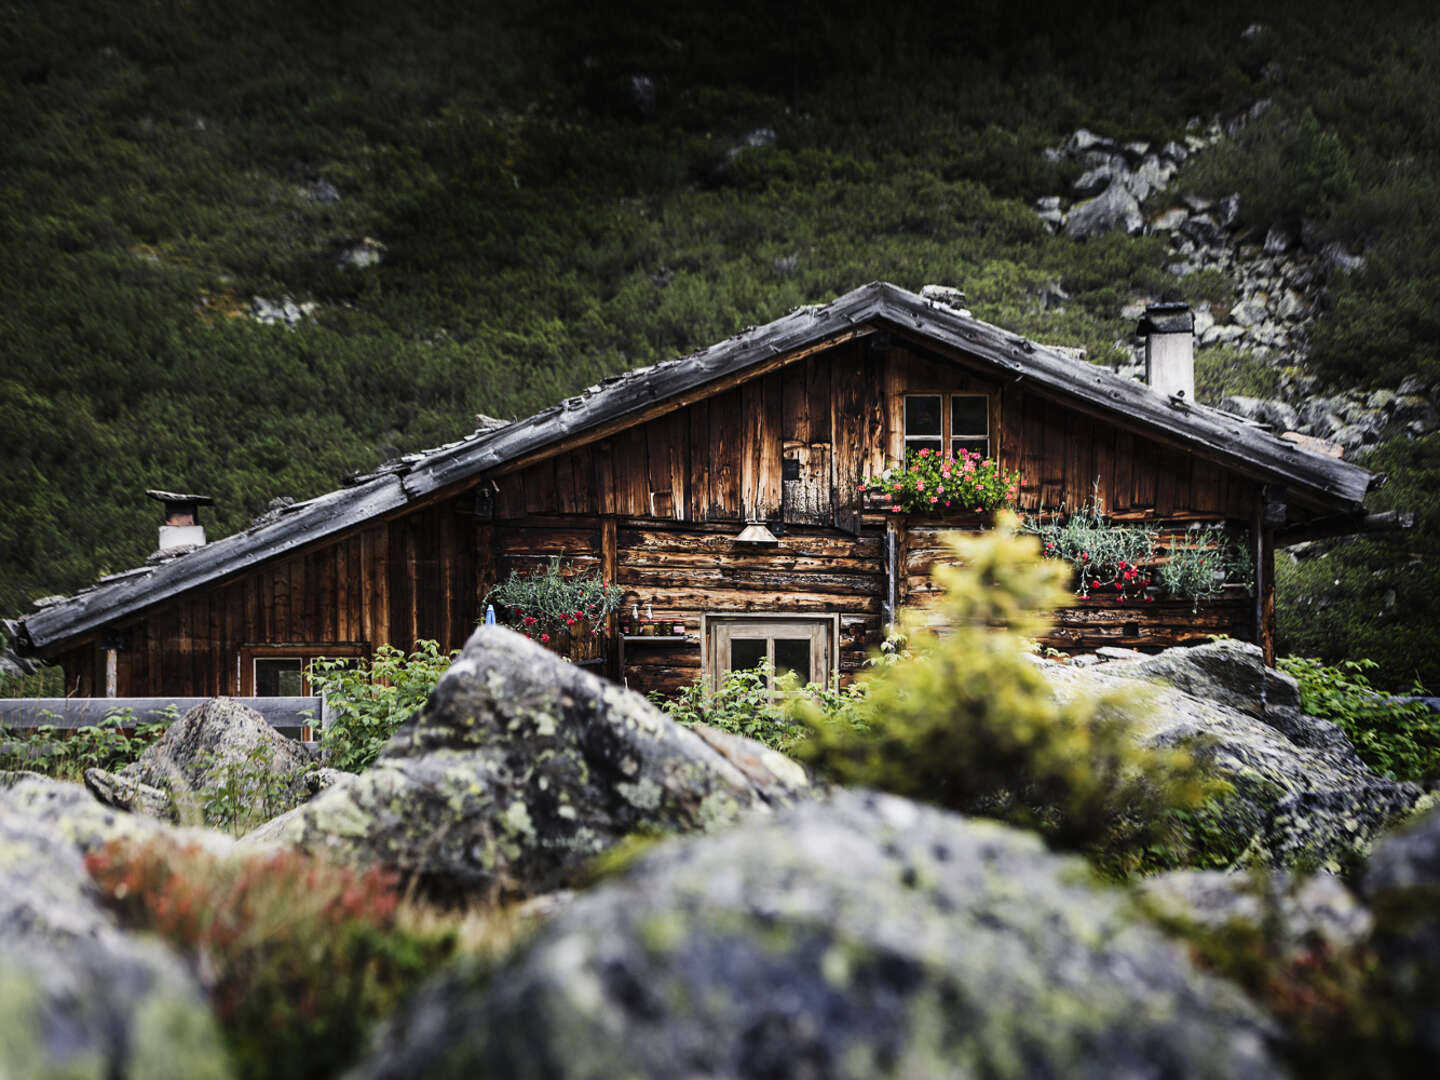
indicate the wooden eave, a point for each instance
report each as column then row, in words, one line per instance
column 621, row 401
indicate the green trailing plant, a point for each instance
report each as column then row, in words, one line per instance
column 970, row 723
column 930, row 482
column 1123, row 558
column 367, row 700
column 302, row 957
column 1103, row 555
column 558, row 600
column 1396, row 737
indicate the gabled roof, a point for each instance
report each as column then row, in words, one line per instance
column 1336, row 485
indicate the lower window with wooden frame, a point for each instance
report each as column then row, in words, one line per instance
column 799, row 645
column 284, row 670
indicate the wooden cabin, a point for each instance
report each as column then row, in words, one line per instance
column 651, row 476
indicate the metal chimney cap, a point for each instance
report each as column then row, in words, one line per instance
column 1168, row 318
column 175, row 497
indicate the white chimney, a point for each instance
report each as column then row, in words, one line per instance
column 182, row 528
column 1169, row 333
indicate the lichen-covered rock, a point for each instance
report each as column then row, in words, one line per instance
column 520, row 768
column 1291, row 910
column 69, row 812
column 866, row 936
column 1114, row 209
column 219, row 742
column 1402, row 883
column 79, row 998
column 1302, row 796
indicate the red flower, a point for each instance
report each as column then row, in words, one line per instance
column 1122, row 564
column 934, row 498
column 894, row 509
column 864, row 487
column 529, row 620
column 544, row 637
column 1085, row 555
column 1149, row 599
column 1119, row 586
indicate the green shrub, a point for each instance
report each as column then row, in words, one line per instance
column 970, row 723
column 557, row 600
column 302, row 957
column 744, row 704
column 1398, row 738
column 367, row 701
column 65, row 754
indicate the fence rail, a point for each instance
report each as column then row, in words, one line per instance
column 71, row 713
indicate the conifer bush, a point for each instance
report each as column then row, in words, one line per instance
column 969, row 722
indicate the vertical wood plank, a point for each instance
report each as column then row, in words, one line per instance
column 610, row 574
column 1079, row 467
column 847, row 423
column 1122, row 490
column 380, row 584
column 697, row 422
column 447, row 558
column 795, row 404
column 606, row 500
column 817, row 396
column 724, row 454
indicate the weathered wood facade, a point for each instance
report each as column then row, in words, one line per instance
column 654, row 498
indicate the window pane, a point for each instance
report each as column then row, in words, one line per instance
column 746, row 653
column 793, row 654
column 969, row 415
column 975, row 446
column 922, row 414
column 280, row 677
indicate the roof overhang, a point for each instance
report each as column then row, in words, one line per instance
column 1334, row 486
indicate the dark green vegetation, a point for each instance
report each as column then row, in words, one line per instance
column 545, row 224
column 370, row 699
column 1398, row 738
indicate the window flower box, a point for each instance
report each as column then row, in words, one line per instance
column 956, row 482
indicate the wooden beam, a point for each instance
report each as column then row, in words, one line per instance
column 1346, row 525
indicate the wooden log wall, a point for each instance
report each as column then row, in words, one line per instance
column 398, row 581
column 789, row 446
column 1100, row 619
column 685, row 572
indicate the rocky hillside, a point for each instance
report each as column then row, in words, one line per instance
column 251, row 248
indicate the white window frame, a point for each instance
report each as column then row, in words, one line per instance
column 824, row 660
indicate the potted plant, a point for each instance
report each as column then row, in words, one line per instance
column 935, row 483
column 562, row 608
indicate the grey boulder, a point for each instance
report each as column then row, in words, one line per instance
column 864, row 937
column 1115, row 209
column 218, row 743
column 1301, row 795
column 78, row 996
column 520, row 768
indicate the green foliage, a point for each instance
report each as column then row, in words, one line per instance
column 1110, row 555
column 302, row 958
column 970, row 723
column 1224, row 370
column 65, row 754
column 240, row 793
column 744, row 704
column 557, row 600
column 1376, row 596
column 1102, row 553
column 369, row 700
column 1398, row 738
column 931, row 482
column 1208, row 560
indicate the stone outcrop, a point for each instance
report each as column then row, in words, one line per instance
column 218, row 742
column 861, row 937
column 521, row 768
column 79, row 997
column 1301, row 795
column 1292, row 910
column 1402, row 883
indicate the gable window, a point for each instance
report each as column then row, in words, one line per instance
column 795, row 645
column 955, row 422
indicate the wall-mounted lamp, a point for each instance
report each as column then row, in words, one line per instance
column 756, row 534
